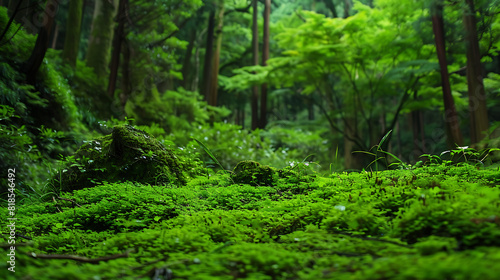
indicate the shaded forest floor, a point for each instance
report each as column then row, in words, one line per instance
column 431, row 222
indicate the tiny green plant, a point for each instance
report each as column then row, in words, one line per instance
column 461, row 155
column 209, row 153
column 380, row 154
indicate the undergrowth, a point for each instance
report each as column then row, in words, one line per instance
column 422, row 223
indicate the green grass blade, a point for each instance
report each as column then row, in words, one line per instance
column 207, row 150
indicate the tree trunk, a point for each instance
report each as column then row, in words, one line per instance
column 417, row 125
column 126, row 86
column 186, row 65
column 265, row 57
column 73, row 28
column 55, row 36
column 31, row 66
column 118, row 37
column 255, row 53
column 329, row 4
column 347, row 8
column 351, row 160
column 454, row 136
column 214, row 83
column 207, row 67
column 477, row 97
column 101, row 35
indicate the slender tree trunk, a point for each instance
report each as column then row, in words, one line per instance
column 329, row 4
column 214, row 83
column 347, row 8
column 207, row 67
column 55, row 36
column 265, row 57
column 186, row 65
column 73, row 28
column 351, row 160
column 454, row 136
column 101, row 36
column 117, row 46
column 310, row 108
column 477, row 96
column 126, row 86
column 255, row 53
column 417, row 125
column 31, row 66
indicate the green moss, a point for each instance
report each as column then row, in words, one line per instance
column 253, row 173
column 404, row 224
column 128, row 154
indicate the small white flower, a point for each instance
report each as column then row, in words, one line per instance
column 340, row 207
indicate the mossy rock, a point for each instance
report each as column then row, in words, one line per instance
column 127, row 154
column 253, row 173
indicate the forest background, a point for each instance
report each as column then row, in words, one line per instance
column 273, row 81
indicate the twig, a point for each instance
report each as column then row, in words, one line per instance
column 79, row 258
column 70, row 200
column 7, row 246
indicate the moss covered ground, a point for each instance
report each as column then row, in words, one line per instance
column 432, row 222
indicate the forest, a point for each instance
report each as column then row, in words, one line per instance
column 250, row 139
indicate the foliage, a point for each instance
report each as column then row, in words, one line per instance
column 126, row 154
column 433, row 221
column 178, row 111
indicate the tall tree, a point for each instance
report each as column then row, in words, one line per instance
column 477, row 96
column 214, row 83
column 118, row 37
column 255, row 57
column 207, row 66
column 73, row 28
column 265, row 57
column 453, row 133
column 99, row 49
column 31, row 66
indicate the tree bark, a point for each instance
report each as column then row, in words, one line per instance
column 265, row 57
column 214, row 83
column 73, row 28
column 207, row 66
column 31, row 66
column 99, row 48
column 55, row 36
column 452, row 127
column 347, row 8
column 118, row 37
column 126, row 85
column 255, row 56
column 477, row 97
column 329, row 4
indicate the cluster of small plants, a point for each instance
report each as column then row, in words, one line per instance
column 430, row 222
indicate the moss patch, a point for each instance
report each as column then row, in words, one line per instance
column 127, row 154
column 253, row 173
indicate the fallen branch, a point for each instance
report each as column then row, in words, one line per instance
column 79, row 258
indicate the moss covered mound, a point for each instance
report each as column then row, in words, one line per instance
column 127, row 154
column 253, row 173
